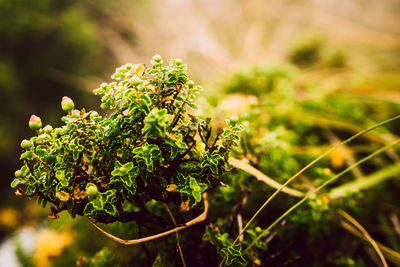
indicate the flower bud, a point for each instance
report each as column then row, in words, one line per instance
column 234, row 118
column 157, row 58
column 76, row 112
column 18, row 173
column 94, row 115
column 190, row 84
column 122, row 169
column 67, row 104
column 91, row 190
column 178, row 61
column 48, row 129
column 26, row 144
column 35, row 123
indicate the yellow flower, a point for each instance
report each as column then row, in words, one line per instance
column 49, row 244
column 8, row 217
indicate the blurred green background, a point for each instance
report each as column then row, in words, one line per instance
column 51, row 48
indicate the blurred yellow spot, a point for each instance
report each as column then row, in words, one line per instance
column 167, row 98
column 336, row 159
column 63, row 196
column 8, row 217
column 171, row 187
column 257, row 262
column 50, row 244
column 325, row 199
column 52, row 216
column 327, row 171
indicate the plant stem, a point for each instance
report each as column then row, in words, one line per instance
column 262, row 177
column 365, row 233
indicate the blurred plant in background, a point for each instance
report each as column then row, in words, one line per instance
column 42, row 42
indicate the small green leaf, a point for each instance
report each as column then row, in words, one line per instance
column 16, row 182
column 197, row 196
column 27, row 155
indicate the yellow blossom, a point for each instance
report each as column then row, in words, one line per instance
column 49, row 244
column 8, row 217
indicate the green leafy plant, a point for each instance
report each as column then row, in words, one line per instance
column 152, row 147
column 154, row 161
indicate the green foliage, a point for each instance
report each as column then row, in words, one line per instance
column 307, row 51
column 282, row 133
column 101, row 167
column 191, row 188
column 257, row 80
column 224, row 246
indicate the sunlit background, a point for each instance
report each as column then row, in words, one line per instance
column 51, row 48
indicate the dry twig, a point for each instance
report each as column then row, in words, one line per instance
column 240, row 164
column 196, row 220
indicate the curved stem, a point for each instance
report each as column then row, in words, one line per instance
column 365, row 233
column 198, row 219
column 240, row 164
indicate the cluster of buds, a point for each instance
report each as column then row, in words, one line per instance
column 35, row 123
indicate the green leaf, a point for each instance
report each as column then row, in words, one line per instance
column 214, row 169
column 89, row 209
column 192, row 105
column 27, row 155
column 60, row 175
column 16, row 182
column 197, row 196
column 156, row 122
column 64, row 183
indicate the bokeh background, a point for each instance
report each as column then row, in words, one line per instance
column 51, row 48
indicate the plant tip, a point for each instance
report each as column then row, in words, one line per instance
column 35, row 123
column 48, row 129
column 234, row 118
column 91, row 190
column 67, row 104
column 26, row 144
column 157, row 58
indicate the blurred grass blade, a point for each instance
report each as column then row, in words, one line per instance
column 365, row 234
column 366, row 182
column 390, row 254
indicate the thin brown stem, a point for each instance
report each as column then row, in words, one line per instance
column 177, row 235
column 196, row 220
column 365, row 233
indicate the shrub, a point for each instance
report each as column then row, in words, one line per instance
column 113, row 168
